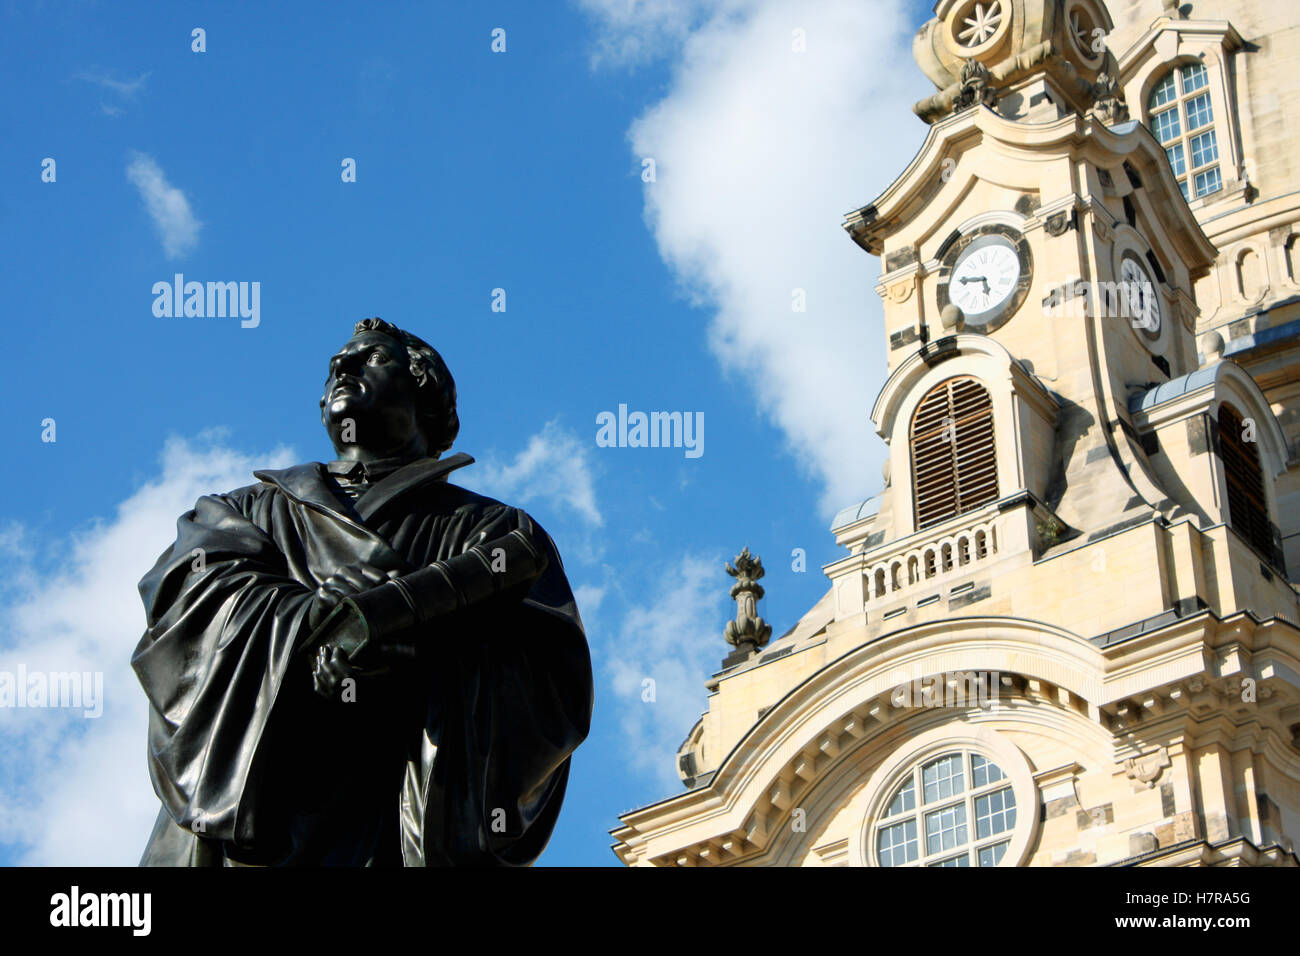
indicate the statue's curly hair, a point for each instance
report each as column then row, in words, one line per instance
column 438, row 416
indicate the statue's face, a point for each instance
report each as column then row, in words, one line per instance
column 370, row 383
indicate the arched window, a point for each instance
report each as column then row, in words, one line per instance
column 954, row 465
column 1182, row 119
column 958, row 809
column 1247, row 507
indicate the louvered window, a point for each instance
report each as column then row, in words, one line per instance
column 954, row 464
column 1247, row 510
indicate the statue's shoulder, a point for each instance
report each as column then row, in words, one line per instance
column 270, row 482
column 244, row 500
column 483, row 512
column 292, row 475
column 244, row 492
column 461, row 499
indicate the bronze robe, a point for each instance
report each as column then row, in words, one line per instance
column 459, row 759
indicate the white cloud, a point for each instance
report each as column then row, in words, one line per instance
column 589, row 597
column 76, row 791
column 634, row 31
column 675, row 640
column 759, row 151
column 555, row 467
column 166, row 205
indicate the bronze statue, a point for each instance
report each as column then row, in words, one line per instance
column 359, row 663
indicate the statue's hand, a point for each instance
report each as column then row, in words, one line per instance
column 331, row 666
column 349, row 580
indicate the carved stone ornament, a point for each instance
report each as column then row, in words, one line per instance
column 1108, row 104
column 900, row 292
column 1146, row 770
column 975, row 87
column 748, row 628
column 1058, row 223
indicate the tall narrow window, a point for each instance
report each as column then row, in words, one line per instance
column 1181, row 117
column 954, row 465
column 1247, row 507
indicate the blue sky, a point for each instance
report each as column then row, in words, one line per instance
column 520, row 170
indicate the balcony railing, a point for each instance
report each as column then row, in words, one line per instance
column 948, row 555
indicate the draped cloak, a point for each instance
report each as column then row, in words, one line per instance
column 460, row 758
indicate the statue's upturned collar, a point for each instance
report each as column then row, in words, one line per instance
column 308, row 482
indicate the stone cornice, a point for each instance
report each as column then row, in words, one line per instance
column 1228, row 36
column 967, row 344
column 913, row 192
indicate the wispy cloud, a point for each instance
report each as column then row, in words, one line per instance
column 555, row 467
column 76, row 791
column 166, row 205
column 107, row 81
column 772, row 126
column 118, row 91
column 667, row 646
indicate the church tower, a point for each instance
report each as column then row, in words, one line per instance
column 1064, row 632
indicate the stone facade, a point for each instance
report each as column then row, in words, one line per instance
column 1096, row 664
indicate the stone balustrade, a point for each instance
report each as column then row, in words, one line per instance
column 935, row 560
column 930, row 559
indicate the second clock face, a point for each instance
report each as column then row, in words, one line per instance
column 1140, row 297
column 984, row 277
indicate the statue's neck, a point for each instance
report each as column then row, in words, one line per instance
column 412, row 450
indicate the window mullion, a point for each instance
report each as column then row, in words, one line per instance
column 971, row 828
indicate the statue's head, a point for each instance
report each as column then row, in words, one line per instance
column 389, row 393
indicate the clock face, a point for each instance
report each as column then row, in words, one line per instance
column 984, row 278
column 1140, row 297
column 985, row 273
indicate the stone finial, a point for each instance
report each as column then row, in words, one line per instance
column 748, row 632
column 975, row 88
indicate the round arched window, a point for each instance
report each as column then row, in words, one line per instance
column 1181, row 116
column 956, row 809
